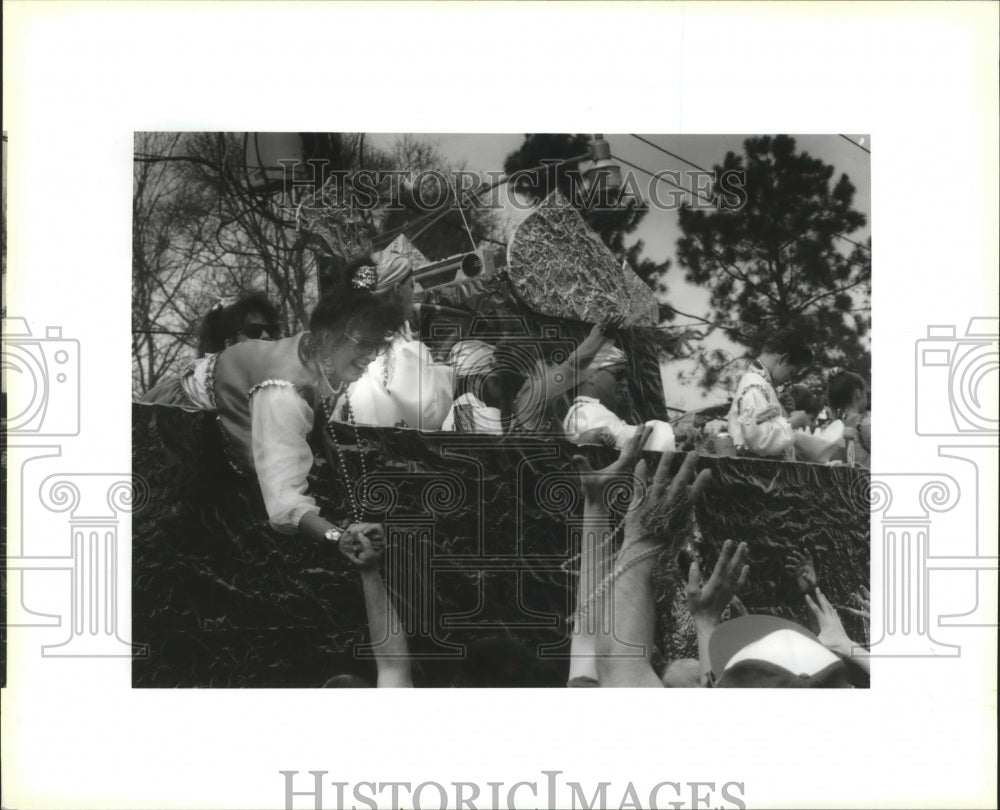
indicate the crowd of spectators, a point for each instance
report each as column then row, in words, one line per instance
column 613, row 629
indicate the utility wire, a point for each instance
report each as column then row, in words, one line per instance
column 851, row 140
column 856, row 244
column 461, row 211
column 668, row 152
column 703, row 169
column 663, row 179
column 436, row 214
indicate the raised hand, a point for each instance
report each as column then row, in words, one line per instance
column 831, row 632
column 708, row 600
column 611, row 326
column 863, row 599
column 801, row 566
column 594, row 483
column 663, row 513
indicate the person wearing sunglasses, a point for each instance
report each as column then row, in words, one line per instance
column 252, row 317
column 592, row 418
column 404, row 386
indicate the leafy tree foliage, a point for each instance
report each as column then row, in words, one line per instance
column 783, row 260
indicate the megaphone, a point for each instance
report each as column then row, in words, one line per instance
column 461, row 267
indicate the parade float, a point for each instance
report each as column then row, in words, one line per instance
column 483, row 531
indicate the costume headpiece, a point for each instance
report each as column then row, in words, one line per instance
column 608, row 356
column 471, row 357
column 365, row 277
column 391, row 269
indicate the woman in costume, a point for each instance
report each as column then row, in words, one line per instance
column 405, row 386
column 266, row 395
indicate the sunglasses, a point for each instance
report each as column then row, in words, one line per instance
column 619, row 374
column 259, row 331
column 364, row 347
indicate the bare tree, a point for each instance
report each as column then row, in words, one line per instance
column 206, row 226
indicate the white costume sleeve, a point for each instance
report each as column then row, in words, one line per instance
column 420, row 387
column 484, row 418
column 585, row 416
column 280, row 422
column 770, row 438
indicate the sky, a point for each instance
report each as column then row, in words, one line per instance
column 659, row 229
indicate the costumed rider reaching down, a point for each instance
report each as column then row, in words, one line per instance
column 591, row 418
column 405, row 386
column 268, row 394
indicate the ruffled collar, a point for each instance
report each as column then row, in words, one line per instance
column 760, row 368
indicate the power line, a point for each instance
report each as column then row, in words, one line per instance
column 663, row 179
column 851, row 140
column 668, row 152
column 465, row 222
column 856, row 244
column 703, row 169
column 437, row 214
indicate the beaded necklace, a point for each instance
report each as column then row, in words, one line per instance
column 307, row 353
column 601, row 589
column 357, row 508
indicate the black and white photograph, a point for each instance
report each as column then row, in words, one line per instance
column 376, row 375
column 543, row 422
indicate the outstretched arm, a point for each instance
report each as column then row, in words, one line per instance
column 831, row 631
column 364, row 547
column 708, row 601
column 566, row 376
column 596, row 552
column 657, row 518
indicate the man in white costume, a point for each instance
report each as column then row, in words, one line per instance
column 757, row 422
column 591, row 418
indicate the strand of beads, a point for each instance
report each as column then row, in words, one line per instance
column 357, row 509
column 609, row 579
